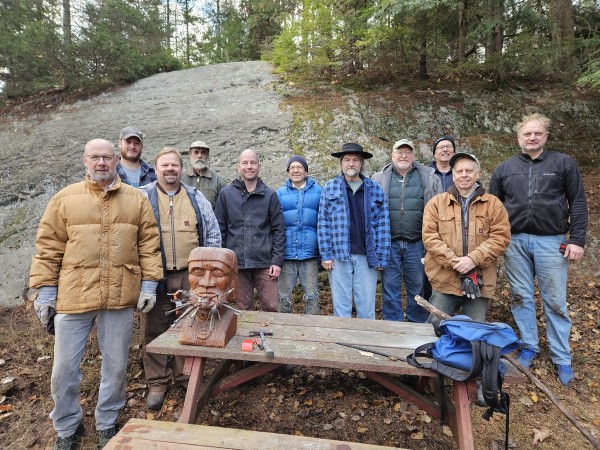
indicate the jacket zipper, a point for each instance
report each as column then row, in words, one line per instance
column 172, row 232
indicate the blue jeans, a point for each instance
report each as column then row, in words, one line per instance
column 308, row 272
column 404, row 264
column 530, row 256
column 475, row 308
column 354, row 277
column 113, row 328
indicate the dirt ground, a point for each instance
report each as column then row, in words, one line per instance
column 306, row 402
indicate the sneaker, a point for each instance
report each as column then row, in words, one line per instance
column 155, row 400
column 104, row 436
column 565, row 374
column 70, row 442
column 526, row 357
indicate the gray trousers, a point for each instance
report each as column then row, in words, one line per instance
column 114, row 328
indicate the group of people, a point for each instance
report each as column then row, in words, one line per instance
column 122, row 237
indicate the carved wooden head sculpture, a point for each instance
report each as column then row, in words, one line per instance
column 213, row 272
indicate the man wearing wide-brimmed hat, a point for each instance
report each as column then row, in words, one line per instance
column 354, row 234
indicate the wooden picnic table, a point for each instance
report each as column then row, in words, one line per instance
column 310, row 340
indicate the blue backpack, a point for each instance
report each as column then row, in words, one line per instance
column 467, row 349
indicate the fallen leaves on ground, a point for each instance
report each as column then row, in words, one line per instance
column 540, row 435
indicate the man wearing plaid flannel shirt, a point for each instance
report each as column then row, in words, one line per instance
column 354, row 234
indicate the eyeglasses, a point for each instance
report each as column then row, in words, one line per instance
column 403, row 152
column 444, row 147
column 97, row 158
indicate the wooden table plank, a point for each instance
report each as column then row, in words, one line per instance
column 295, row 342
column 151, row 434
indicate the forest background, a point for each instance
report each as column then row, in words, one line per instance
column 90, row 44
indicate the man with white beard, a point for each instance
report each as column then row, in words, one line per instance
column 200, row 176
column 353, row 231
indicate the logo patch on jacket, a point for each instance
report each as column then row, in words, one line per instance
column 186, row 223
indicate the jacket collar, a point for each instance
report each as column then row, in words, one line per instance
column 526, row 157
column 479, row 191
column 239, row 184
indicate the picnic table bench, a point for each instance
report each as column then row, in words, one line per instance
column 140, row 434
column 310, row 340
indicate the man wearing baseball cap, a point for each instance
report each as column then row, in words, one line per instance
column 465, row 230
column 131, row 168
column 200, row 176
column 408, row 186
column 354, row 234
column 299, row 198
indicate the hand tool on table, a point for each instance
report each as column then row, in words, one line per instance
column 263, row 340
column 365, row 349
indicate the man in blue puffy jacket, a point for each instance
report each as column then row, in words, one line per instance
column 299, row 198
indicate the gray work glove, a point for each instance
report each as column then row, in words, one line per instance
column 469, row 283
column 146, row 301
column 45, row 309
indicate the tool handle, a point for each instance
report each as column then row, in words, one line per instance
column 268, row 350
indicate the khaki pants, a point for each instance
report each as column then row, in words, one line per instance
column 153, row 324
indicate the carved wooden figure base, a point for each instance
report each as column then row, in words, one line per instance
column 198, row 332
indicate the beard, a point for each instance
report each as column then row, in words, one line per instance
column 171, row 178
column 200, row 165
column 133, row 159
column 351, row 172
column 100, row 177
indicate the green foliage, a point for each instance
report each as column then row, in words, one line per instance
column 591, row 77
column 30, row 46
column 379, row 41
column 122, row 42
column 115, row 41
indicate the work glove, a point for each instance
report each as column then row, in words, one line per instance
column 470, row 282
column 146, row 301
column 45, row 309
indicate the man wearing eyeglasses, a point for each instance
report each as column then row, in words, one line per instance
column 408, row 185
column 132, row 169
column 97, row 257
column 443, row 149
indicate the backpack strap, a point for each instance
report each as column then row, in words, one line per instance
column 422, row 351
column 491, row 380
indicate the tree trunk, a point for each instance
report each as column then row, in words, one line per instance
column 66, row 22
column 168, row 24
column 495, row 40
column 563, row 33
column 462, row 30
column 423, row 47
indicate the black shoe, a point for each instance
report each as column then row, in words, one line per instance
column 286, row 370
column 154, row 401
column 70, row 442
column 104, row 436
